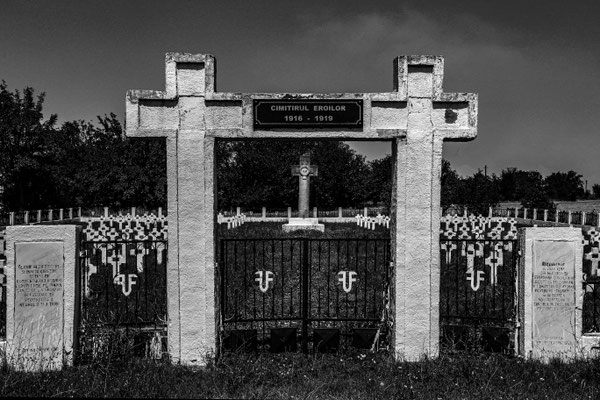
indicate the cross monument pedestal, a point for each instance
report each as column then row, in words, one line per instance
column 304, row 171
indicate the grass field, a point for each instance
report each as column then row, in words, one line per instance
column 291, row 376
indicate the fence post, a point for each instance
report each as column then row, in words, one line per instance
column 315, row 212
column 289, row 212
column 366, row 212
column 340, row 214
column 11, row 218
column 524, row 213
column 516, row 212
column 133, row 211
column 545, row 215
column 60, row 214
column 26, row 217
column 264, row 213
column 491, row 212
column 535, row 214
column 70, row 212
column 106, row 212
column 465, row 212
column 50, row 215
column 39, row 216
column 583, row 218
column 569, row 217
column 159, row 212
column 556, row 216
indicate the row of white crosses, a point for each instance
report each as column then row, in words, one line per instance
column 232, row 222
column 370, row 222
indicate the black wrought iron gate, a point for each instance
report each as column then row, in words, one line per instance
column 323, row 293
column 478, row 294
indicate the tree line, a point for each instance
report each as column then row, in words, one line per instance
column 78, row 163
column 529, row 188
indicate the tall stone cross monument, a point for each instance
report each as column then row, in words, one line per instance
column 304, row 171
column 417, row 116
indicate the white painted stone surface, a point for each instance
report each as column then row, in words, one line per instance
column 417, row 116
column 296, row 224
column 40, row 331
column 552, row 293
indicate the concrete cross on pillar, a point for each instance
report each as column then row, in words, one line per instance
column 430, row 117
column 304, row 171
column 177, row 114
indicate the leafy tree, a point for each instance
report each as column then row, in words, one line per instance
column 380, row 181
column 77, row 164
column 101, row 167
column 480, row 192
column 528, row 187
column 596, row 191
column 565, row 186
column 452, row 186
column 255, row 173
column 22, row 132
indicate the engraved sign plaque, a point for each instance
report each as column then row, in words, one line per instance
column 308, row 113
column 554, row 300
column 38, row 306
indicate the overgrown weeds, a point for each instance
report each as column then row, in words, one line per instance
column 323, row 376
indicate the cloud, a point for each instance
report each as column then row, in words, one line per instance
column 538, row 100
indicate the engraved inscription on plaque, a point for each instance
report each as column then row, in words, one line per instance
column 38, row 314
column 308, row 113
column 553, row 297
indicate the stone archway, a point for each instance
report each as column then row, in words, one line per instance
column 190, row 114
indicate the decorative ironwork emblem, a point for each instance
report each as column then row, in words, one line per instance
column 476, row 277
column 347, row 278
column 264, row 278
column 126, row 281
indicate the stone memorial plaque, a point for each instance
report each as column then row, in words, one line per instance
column 308, row 113
column 553, row 284
column 38, row 311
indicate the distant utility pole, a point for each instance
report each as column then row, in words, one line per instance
column 485, row 170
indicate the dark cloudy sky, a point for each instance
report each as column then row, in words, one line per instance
column 535, row 64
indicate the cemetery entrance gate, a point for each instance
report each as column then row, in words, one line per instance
column 190, row 115
column 299, row 293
